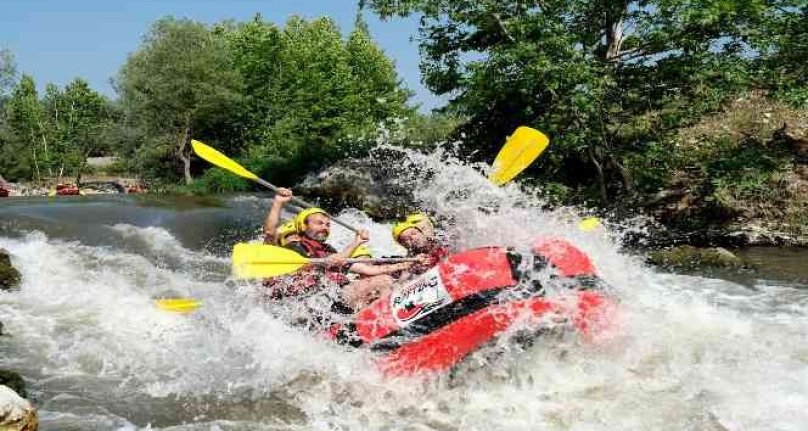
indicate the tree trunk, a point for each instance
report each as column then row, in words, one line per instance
column 614, row 32
column 601, row 178
column 628, row 181
column 614, row 39
column 80, row 168
column 36, row 164
column 184, row 153
column 45, row 148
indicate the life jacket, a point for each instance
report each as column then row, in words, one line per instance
column 435, row 254
column 306, row 279
column 313, row 248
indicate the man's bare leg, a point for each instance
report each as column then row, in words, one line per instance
column 363, row 291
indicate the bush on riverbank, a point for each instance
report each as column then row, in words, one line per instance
column 737, row 170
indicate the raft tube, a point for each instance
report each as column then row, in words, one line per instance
column 431, row 323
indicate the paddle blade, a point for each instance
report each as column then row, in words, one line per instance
column 589, row 224
column 263, row 261
column 215, row 157
column 522, row 148
column 178, row 305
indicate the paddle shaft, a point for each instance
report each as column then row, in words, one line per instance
column 306, row 204
column 325, row 260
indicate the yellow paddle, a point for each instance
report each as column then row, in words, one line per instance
column 216, row 158
column 589, row 224
column 178, row 305
column 521, row 149
column 263, row 261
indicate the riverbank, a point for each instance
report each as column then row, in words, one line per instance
column 90, row 185
column 738, row 177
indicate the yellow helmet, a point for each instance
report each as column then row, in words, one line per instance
column 361, row 251
column 417, row 217
column 421, row 219
column 401, row 226
column 300, row 218
column 285, row 230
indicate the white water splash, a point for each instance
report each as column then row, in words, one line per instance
column 692, row 352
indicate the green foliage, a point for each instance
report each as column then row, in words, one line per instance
column 731, row 166
column 284, row 100
column 54, row 135
column 25, row 118
column 603, row 78
column 80, row 121
column 555, row 193
column 180, row 83
column 784, row 65
column 221, row 181
column 15, row 161
column 425, row 131
column 313, row 97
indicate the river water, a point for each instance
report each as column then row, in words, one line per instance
column 690, row 352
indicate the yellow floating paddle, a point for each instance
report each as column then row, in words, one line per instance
column 521, row 149
column 216, row 158
column 589, row 224
column 178, row 305
column 263, row 261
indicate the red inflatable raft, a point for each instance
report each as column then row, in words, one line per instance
column 431, row 323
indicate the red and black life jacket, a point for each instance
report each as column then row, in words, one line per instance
column 436, row 254
column 311, row 247
column 306, row 279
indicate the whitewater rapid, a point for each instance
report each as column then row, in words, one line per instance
column 691, row 352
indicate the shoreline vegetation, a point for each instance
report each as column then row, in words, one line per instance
column 695, row 119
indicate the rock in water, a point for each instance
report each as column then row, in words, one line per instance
column 16, row 413
column 9, row 276
column 690, row 257
column 13, row 381
column 379, row 185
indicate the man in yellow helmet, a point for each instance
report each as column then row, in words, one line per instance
column 313, row 226
column 416, row 233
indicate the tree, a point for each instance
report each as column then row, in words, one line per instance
column 79, row 120
column 784, row 62
column 312, row 96
column 26, row 118
column 8, row 155
column 180, row 83
column 603, row 77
